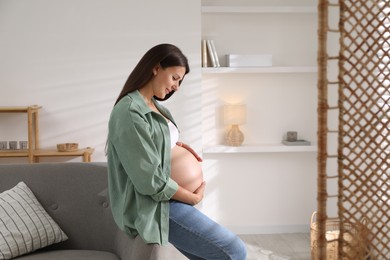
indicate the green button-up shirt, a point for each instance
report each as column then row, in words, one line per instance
column 139, row 166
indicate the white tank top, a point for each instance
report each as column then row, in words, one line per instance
column 174, row 133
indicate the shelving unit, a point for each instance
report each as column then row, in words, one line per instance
column 85, row 153
column 225, row 25
column 293, row 69
column 279, row 98
column 34, row 152
column 261, row 148
column 259, row 9
column 33, row 131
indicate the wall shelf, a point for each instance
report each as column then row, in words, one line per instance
column 292, row 69
column 259, row 9
column 14, row 153
column 34, row 152
column 85, row 153
column 261, row 148
column 32, row 130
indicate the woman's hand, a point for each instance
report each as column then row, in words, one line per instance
column 187, row 147
column 199, row 192
column 188, row 197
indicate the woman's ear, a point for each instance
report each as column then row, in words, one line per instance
column 155, row 69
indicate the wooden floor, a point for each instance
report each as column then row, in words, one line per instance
column 294, row 246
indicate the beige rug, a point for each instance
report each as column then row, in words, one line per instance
column 253, row 253
column 257, row 253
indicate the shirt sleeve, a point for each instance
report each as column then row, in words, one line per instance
column 131, row 136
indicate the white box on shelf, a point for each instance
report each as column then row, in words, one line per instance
column 249, row 60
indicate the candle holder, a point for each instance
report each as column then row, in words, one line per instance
column 13, row 145
column 3, row 145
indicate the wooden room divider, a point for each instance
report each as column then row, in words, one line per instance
column 361, row 227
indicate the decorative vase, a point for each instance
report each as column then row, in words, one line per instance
column 234, row 137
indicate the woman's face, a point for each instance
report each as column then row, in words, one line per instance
column 167, row 80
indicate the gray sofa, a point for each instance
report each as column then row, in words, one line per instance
column 75, row 195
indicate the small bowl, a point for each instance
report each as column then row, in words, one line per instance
column 67, row 147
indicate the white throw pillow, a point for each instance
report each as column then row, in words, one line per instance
column 25, row 226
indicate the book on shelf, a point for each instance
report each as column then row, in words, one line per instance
column 215, row 54
column 204, row 54
column 209, row 54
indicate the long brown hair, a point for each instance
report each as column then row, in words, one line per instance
column 166, row 55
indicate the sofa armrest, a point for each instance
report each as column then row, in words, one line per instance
column 128, row 248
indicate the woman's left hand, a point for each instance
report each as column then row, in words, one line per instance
column 187, row 147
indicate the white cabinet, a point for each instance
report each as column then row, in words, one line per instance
column 280, row 98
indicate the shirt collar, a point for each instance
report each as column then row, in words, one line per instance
column 139, row 101
column 144, row 108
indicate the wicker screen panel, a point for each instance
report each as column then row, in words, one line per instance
column 364, row 172
column 362, row 228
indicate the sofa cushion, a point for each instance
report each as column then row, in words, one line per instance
column 24, row 224
column 70, row 254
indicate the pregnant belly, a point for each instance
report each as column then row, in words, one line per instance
column 185, row 169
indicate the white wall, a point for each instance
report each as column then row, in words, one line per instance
column 73, row 57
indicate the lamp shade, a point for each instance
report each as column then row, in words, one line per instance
column 234, row 114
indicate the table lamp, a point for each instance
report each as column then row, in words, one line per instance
column 234, row 115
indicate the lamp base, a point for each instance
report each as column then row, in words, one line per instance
column 234, row 137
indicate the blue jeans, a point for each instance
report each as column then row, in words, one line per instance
column 198, row 237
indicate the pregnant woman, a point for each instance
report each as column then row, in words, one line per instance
column 154, row 181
